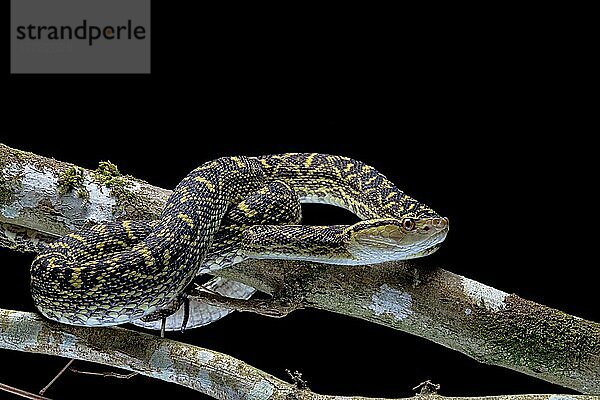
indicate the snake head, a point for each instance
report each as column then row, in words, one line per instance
column 391, row 239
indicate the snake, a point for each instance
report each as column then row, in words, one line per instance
column 224, row 212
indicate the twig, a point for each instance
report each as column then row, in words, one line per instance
column 297, row 379
column 43, row 390
column 107, row 374
column 21, row 393
column 427, row 387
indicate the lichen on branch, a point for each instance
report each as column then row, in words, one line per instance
column 215, row 374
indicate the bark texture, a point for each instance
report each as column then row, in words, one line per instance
column 212, row 373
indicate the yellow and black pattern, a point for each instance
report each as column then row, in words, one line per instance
column 343, row 182
column 274, row 204
column 118, row 272
column 130, row 284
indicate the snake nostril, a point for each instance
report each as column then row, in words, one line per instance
column 440, row 223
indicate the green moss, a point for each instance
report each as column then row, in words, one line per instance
column 106, row 173
column 83, row 193
column 72, row 179
column 127, row 203
column 539, row 338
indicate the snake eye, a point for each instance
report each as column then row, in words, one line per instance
column 408, row 224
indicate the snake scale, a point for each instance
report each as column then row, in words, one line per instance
column 221, row 213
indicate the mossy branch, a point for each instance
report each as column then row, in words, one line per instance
column 484, row 323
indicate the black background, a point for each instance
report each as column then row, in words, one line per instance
column 479, row 114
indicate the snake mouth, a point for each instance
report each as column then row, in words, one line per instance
column 432, row 244
column 391, row 242
column 378, row 241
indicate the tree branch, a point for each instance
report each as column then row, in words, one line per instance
column 484, row 323
column 212, row 373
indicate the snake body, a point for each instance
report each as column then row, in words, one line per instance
column 221, row 213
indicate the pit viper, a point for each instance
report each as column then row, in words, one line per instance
column 223, row 212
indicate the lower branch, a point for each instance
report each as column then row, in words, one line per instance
column 214, row 374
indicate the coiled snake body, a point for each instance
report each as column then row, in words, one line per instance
column 223, row 212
